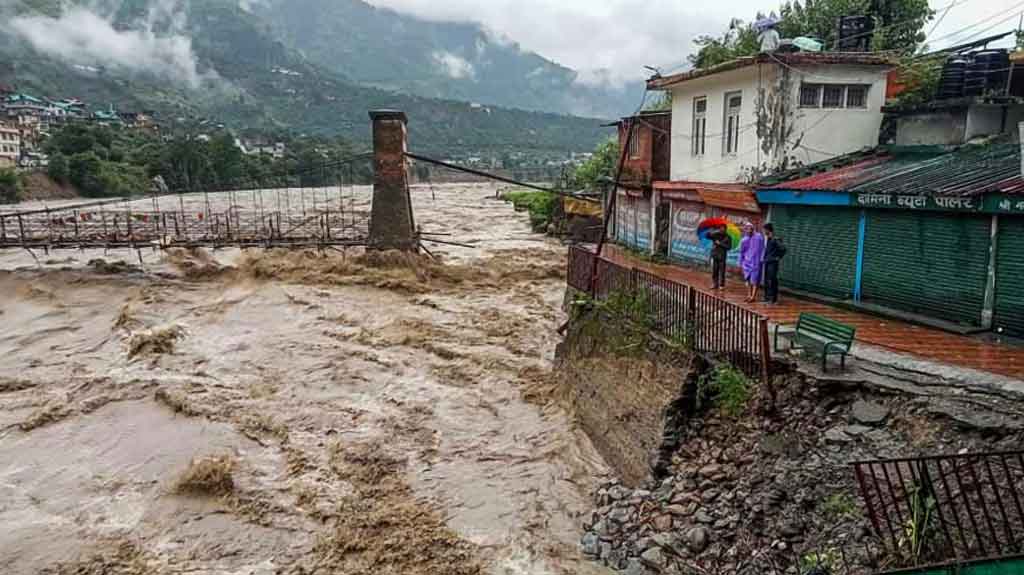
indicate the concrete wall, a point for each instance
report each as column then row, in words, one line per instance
column 773, row 128
column 957, row 125
column 942, row 128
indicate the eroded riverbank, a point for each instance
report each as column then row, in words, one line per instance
column 384, row 415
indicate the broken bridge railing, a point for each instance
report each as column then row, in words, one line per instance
column 328, row 206
column 710, row 325
column 946, row 510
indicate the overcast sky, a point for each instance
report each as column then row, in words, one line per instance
column 625, row 35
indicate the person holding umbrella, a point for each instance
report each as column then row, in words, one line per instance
column 721, row 243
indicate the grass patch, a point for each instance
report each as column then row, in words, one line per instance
column 208, row 476
column 729, row 388
column 540, row 205
column 840, row 506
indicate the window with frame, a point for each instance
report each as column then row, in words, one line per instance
column 698, row 135
column 731, row 124
column 834, row 96
column 634, row 142
column 857, row 96
column 810, row 95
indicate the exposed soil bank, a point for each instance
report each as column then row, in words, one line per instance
column 380, row 414
column 625, row 388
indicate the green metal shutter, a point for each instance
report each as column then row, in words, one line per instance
column 821, row 244
column 929, row 263
column 1009, row 313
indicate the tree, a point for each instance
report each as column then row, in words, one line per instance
column 84, row 172
column 900, row 24
column 10, row 187
column 739, row 40
column 899, row 27
column 601, row 166
column 58, row 168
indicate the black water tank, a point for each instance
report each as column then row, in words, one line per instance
column 855, row 33
column 987, row 73
column 951, row 84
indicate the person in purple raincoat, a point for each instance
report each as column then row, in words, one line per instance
column 751, row 259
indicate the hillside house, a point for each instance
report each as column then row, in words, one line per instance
column 735, row 122
column 756, row 115
column 10, row 146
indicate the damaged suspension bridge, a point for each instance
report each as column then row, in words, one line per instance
column 278, row 212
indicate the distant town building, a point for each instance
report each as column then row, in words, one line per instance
column 10, row 146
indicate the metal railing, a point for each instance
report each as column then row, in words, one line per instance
column 709, row 325
column 946, row 509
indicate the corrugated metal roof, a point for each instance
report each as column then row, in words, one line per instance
column 970, row 170
column 792, row 59
column 837, row 179
column 730, row 196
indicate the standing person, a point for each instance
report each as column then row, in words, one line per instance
column 721, row 244
column 774, row 251
column 752, row 259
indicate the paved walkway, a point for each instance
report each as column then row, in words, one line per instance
column 925, row 342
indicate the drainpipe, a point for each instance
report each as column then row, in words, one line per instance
column 653, row 222
column 859, row 276
column 988, row 311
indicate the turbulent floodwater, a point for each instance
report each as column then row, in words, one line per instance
column 381, row 414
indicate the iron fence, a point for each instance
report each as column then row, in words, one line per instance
column 946, row 509
column 707, row 324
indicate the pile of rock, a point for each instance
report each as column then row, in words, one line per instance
column 778, row 491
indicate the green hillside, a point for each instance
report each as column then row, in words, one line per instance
column 252, row 80
column 383, row 48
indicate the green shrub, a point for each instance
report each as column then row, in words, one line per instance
column 728, row 387
column 10, row 187
column 540, row 205
column 840, row 506
column 57, row 169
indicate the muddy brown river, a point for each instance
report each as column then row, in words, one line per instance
column 376, row 414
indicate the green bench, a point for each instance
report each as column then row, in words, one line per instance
column 813, row 330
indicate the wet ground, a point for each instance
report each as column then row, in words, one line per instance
column 382, row 414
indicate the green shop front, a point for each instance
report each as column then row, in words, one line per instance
column 958, row 259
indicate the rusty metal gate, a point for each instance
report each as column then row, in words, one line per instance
column 946, row 509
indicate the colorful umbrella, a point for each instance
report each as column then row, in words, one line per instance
column 709, row 224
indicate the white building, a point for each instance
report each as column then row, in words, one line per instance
column 10, row 146
column 750, row 116
column 736, row 122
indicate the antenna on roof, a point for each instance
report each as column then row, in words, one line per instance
column 657, row 72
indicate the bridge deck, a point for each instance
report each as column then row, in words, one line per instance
column 310, row 217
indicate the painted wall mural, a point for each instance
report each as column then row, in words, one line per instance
column 643, row 224
column 623, row 220
column 685, row 244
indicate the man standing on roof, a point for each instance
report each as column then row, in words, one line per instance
column 774, row 251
